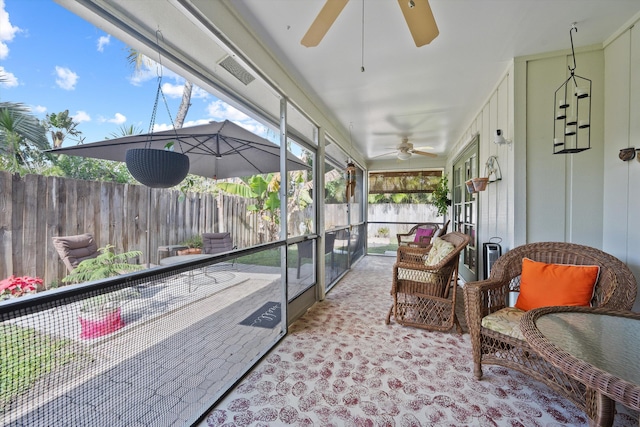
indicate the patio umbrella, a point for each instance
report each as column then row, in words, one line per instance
column 215, row 150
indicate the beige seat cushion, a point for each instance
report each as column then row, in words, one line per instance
column 505, row 321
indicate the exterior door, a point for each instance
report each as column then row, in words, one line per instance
column 465, row 209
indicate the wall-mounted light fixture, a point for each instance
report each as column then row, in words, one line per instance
column 499, row 139
column 572, row 107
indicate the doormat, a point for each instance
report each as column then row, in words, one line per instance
column 267, row 316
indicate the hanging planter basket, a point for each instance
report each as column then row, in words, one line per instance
column 480, row 184
column 157, row 168
column 470, row 188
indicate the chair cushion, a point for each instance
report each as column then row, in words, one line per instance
column 423, row 232
column 215, row 243
column 75, row 249
column 543, row 285
column 505, row 321
column 439, row 250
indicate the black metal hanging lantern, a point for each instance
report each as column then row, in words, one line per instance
column 572, row 107
column 152, row 167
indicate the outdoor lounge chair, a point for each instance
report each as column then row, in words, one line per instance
column 423, row 279
column 498, row 340
column 75, row 249
column 215, row 243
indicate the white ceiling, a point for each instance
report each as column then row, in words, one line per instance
column 429, row 93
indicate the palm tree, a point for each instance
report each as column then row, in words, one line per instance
column 22, row 137
column 136, row 59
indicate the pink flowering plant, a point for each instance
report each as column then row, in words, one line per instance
column 17, row 286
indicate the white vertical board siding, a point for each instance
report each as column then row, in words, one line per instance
column 564, row 191
column 633, row 217
column 494, row 211
column 545, row 181
column 586, row 170
column 621, row 235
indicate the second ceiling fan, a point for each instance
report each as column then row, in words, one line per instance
column 405, row 149
column 417, row 13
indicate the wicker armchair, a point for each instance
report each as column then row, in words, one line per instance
column 419, row 236
column 615, row 289
column 422, row 295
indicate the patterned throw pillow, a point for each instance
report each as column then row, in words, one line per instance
column 439, row 250
column 506, row 321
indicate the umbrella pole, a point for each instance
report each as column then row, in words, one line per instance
column 148, row 233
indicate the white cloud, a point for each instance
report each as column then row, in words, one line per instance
column 118, row 119
column 7, row 31
column 67, row 79
column 220, row 111
column 7, row 79
column 148, row 71
column 103, row 41
column 81, row 116
column 40, row 109
column 172, row 91
column 198, row 93
column 158, row 127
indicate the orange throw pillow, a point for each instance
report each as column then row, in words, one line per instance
column 544, row 285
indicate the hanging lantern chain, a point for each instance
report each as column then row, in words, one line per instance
column 573, row 53
column 159, row 93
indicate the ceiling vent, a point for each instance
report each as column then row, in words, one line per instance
column 236, row 70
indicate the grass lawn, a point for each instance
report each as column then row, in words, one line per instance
column 382, row 249
column 25, row 356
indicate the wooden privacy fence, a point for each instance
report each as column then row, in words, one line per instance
column 34, row 208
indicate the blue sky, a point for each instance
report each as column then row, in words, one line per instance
column 55, row 61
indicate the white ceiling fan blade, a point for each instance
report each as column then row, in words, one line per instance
column 323, row 22
column 420, row 21
column 424, row 153
column 386, row 154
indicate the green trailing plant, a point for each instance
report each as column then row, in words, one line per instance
column 440, row 194
column 107, row 264
column 194, row 241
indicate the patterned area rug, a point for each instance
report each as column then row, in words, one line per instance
column 342, row 366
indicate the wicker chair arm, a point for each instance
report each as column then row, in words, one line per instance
column 412, row 254
column 401, row 235
column 491, row 294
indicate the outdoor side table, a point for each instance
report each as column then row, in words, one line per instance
column 597, row 346
column 170, row 250
column 172, row 260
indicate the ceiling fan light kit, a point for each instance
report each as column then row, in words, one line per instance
column 572, row 106
column 404, row 155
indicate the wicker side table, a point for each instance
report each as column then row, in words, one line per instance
column 598, row 347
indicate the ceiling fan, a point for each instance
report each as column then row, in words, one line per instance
column 405, row 150
column 417, row 13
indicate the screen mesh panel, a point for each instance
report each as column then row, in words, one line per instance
column 157, row 347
